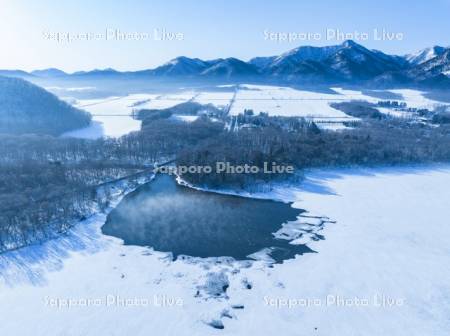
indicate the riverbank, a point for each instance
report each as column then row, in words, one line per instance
column 388, row 248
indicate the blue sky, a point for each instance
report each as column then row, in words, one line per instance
column 209, row 29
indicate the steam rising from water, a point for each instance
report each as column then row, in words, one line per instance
column 173, row 218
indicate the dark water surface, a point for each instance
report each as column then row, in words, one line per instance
column 173, row 218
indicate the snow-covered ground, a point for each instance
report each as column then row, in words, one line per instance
column 381, row 270
column 184, row 118
column 163, row 100
column 94, row 131
column 111, row 114
column 413, row 98
column 285, row 101
column 417, row 99
column 220, row 99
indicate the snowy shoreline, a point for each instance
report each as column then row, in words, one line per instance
column 389, row 243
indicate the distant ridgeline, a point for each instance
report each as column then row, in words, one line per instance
column 346, row 63
column 27, row 108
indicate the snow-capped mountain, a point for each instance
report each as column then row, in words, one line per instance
column 434, row 71
column 15, row 73
column 231, row 67
column 184, row 66
column 97, row 72
column 303, row 62
column 295, row 56
column 346, row 62
column 354, row 62
column 51, row 72
column 181, row 66
column 262, row 62
column 438, row 64
column 424, row 55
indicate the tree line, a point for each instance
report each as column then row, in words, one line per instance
column 47, row 183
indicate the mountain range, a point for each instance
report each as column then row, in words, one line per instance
column 348, row 62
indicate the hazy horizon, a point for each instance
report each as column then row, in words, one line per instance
column 206, row 30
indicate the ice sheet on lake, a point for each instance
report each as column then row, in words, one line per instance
column 94, row 131
column 389, row 242
column 111, row 116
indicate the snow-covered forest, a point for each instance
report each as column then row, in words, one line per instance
column 27, row 108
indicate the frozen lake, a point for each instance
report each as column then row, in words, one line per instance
column 111, row 117
column 390, row 241
column 184, row 221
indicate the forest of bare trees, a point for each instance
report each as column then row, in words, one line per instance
column 47, row 183
column 28, row 108
column 385, row 141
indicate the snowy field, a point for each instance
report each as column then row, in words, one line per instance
column 381, row 270
column 111, row 115
column 220, row 99
column 163, row 101
column 413, row 98
column 285, row 101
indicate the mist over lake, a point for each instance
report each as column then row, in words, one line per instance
column 184, row 221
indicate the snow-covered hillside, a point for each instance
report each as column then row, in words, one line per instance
column 425, row 55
